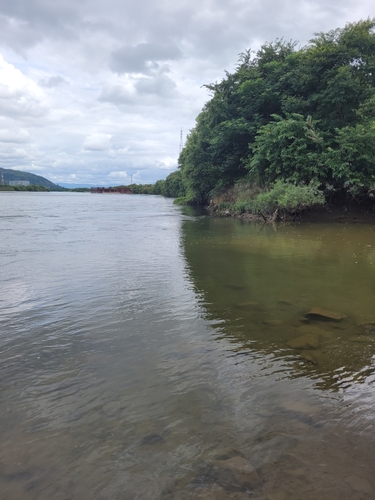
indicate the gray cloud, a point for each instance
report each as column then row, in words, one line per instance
column 25, row 24
column 160, row 85
column 142, row 58
column 117, row 95
column 145, row 91
column 52, row 81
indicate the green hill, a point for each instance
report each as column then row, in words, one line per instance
column 36, row 180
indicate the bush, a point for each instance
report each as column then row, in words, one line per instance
column 288, row 198
column 224, row 205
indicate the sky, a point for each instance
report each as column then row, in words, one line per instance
column 96, row 92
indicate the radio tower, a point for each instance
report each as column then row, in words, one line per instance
column 181, row 143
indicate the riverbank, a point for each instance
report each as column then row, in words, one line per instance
column 338, row 214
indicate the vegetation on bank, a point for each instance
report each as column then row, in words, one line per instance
column 282, row 199
column 171, row 187
column 31, row 187
column 289, row 128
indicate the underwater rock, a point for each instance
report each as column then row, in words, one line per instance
column 218, row 493
column 302, row 319
column 324, row 314
column 235, row 287
column 362, row 338
column 226, row 453
column 236, row 474
column 151, row 439
column 360, row 485
column 285, row 302
column 369, row 328
column 309, row 357
column 307, row 341
column 250, row 303
column 313, row 330
column 212, row 493
column 316, row 357
column 278, row 495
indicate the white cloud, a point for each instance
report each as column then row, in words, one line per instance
column 118, row 175
column 16, row 136
column 19, row 95
column 97, row 142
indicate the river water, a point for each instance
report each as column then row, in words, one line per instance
column 146, row 352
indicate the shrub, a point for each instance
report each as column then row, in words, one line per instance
column 288, row 198
column 224, row 205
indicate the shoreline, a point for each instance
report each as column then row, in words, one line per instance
column 324, row 214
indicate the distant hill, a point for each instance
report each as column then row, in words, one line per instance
column 17, row 175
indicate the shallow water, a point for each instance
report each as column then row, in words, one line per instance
column 142, row 345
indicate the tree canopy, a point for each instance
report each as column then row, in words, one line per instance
column 298, row 115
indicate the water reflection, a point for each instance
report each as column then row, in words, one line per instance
column 256, row 283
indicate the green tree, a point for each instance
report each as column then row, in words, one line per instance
column 258, row 119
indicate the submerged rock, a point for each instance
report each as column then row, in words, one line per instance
column 226, row 453
column 324, row 314
column 309, row 357
column 315, row 357
column 152, row 439
column 359, row 484
column 285, row 302
column 307, row 341
column 249, row 303
column 211, row 493
column 218, row 493
column 362, row 338
column 303, row 319
column 369, row 327
column 278, row 495
column 236, row 473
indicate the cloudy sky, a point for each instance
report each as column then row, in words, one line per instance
column 95, row 92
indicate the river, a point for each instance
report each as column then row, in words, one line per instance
column 147, row 352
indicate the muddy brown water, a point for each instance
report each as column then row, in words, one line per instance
column 148, row 351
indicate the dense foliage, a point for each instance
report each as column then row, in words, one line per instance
column 30, row 187
column 296, row 115
column 171, row 187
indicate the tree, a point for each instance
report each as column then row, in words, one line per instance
column 299, row 115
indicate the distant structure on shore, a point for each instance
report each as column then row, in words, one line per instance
column 112, row 190
column 19, row 183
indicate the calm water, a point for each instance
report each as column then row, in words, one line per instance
column 144, row 354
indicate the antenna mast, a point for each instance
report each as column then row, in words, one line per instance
column 181, row 142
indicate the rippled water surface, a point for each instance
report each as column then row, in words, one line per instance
column 148, row 351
